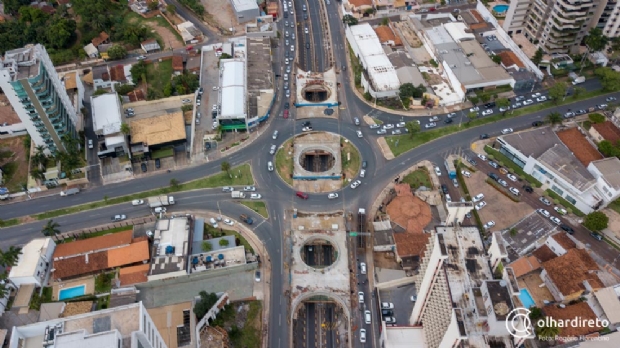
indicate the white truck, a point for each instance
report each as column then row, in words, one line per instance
column 160, row 201
column 70, row 192
column 237, row 194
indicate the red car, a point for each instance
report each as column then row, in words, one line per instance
column 189, row 48
column 285, row 114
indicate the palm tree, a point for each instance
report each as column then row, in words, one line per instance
column 225, row 167
column 554, row 117
column 50, row 229
column 125, row 128
column 548, row 331
column 9, row 257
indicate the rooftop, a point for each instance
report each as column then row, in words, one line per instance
column 101, row 73
column 23, row 62
column 171, row 240
column 544, row 254
column 117, row 73
column 510, row 59
column 608, row 298
column 359, row 3
column 233, row 88
column 561, row 162
column 70, row 80
column 608, row 131
column 244, row 5
column 177, row 63
column 579, row 145
column 90, row 245
column 529, row 229
column 134, row 274
column 258, row 61
column 386, row 35
column 484, row 65
column 579, row 310
column 103, row 36
column 610, row 169
column 564, row 240
column 158, row 129
column 533, row 142
column 500, row 298
column 569, row 271
column 30, row 257
column 524, row 265
column 151, row 45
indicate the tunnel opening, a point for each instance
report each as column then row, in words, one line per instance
column 319, row 253
column 317, row 161
column 315, row 93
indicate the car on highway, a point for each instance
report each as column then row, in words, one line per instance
column 601, row 106
column 362, row 173
column 332, row 196
column 363, row 335
column 507, row 131
column 359, row 134
column 228, row 189
column 306, row 30
column 437, row 170
column 569, row 114
column 448, row 121
column 480, row 205
column 397, row 132
column 487, row 112
column 433, row 119
column 270, row 166
column 430, row 125
column 285, row 60
column 493, row 164
column 382, row 131
column 249, row 188
column 141, row 57
column 450, row 115
column 306, row 129
column 363, row 267
column 285, row 114
column 301, row 195
column 355, row 184
column 292, row 48
column 474, row 109
column 287, row 93
column 367, row 316
column 360, row 296
column 400, row 124
column 256, row 196
column 560, row 211
column 514, row 191
column 544, row 201
column 543, row 212
column 375, row 126
column 466, row 173
column 528, row 102
column 478, row 197
column 388, row 126
column 489, row 224
column 567, row 229
column 541, row 99
column 303, row 8
column 137, row 202
column 609, row 99
column 387, row 305
column 364, row 164
column 90, row 143
column 119, row 217
column 555, row 220
column 511, row 177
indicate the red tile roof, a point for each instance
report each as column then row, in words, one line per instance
column 524, row 265
column 544, row 254
column 93, row 244
column 608, row 131
column 509, row 59
column 75, row 266
column 359, row 3
column 386, row 34
column 177, row 63
column 569, row 271
column 579, row 310
column 136, row 95
column 117, row 73
column 134, row 274
column 579, row 145
column 103, row 37
column 127, row 255
column 564, row 241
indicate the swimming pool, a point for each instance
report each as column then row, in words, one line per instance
column 526, row 299
column 75, row 291
column 501, row 9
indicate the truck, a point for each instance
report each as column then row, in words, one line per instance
column 70, row 192
column 248, row 220
column 237, row 194
column 160, row 201
column 449, row 163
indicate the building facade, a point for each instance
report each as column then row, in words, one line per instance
column 30, row 82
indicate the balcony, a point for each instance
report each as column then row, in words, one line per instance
column 34, row 117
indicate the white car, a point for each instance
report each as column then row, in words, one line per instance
column 137, row 202
column 480, row 205
column 511, row 177
column 555, row 220
column 389, row 320
column 400, row 125
column 502, row 182
column 363, row 267
column 433, row 119
column 536, row 95
column 466, row 173
column 362, row 173
column 119, row 217
column 306, row 30
column 306, row 129
column 514, row 191
column 229, row 222
column 360, row 296
column 541, row 99
column 359, row 134
column 452, row 114
column 482, row 157
column 363, row 335
column 437, row 171
column 478, row 198
column 355, row 184
column 141, row 57
column 285, row 60
column 332, row 196
column 528, row 102
column 215, row 88
column 90, row 143
column 430, row 125
column 502, row 109
column 387, row 305
column 507, row 131
column 544, row 201
column 489, row 224
column 249, row 189
column 543, row 212
column 272, row 150
column 186, row 101
column 397, row 132
column 381, row 132
column 474, row 109
column 560, row 211
column 375, row 126
column 388, row 126
column 487, row 112
column 255, row 196
column 292, row 48
column 270, row 166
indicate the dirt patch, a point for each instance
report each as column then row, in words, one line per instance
column 532, row 283
column 169, row 39
column 386, row 260
column 15, row 168
column 219, row 14
column 499, row 208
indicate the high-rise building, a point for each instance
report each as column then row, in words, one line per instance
column 30, row 82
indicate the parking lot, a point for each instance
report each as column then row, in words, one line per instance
column 209, row 80
column 146, row 109
column 401, row 298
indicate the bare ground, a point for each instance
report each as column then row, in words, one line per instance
column 170, row 40
column 219, row 14
column 18, row 170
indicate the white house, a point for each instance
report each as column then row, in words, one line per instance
column 607, row 174
column 91, row 50
column 34, row 262
column 107, row 121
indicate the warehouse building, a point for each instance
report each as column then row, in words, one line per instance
column 245, row 10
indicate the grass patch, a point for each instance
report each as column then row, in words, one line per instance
column 46, row 295
column 284, row 162
column 357, row 67
column 406, row 142
column 377, row 121
column 615, row 206
column 161, row 153
column 248, row 336
column 37, row 299
column 158, row 74
column 97, row 234
column 258, row 206
column 103, row 283
column 510, row 164
column 240, row 175
column 218, row 232
column 564, row 202
column 8, row 223
column 418, row 178
column 351, row 163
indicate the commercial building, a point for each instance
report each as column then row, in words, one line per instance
column 30, row 82
column 245, row 10
column 33, row 264
column 124, row 326
column 152, row 133
column 233, row 94
column 107, row 121
column 379, row 77
column 170, row 248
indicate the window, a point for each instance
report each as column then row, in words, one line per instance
column 489, row 310
column 570, row 199
column 557, row 190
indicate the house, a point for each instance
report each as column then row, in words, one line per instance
column 136, row 95
column 91, row 50
column 117, row 74
column 387, row 37
column 609, row 301
column 510, row 60
column 524, row 265
column 607, row 174
column 568, row 276
column 101, row 77
column 150, row 46
column 581, row 310
column 560, row 243
column 192, row 64
column 579, row 145
column 103, row 38
column 189, row 32
column 605, row 131
column 177, row 64
column 33, row 264
column 356, row 7
column 107, row 121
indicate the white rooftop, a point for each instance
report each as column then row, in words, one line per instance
column 244, row 5
column 378, row 65
column 405, row 337
column 173, row 232
column 29, row 258
column 106, row 113
column 457, row 31
column 233, row 88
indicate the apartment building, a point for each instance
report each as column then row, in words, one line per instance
column 30, row 82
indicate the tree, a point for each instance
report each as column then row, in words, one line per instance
column 557, row 92
column 406, row 90
column 412, row 128
column 595, row 40
column 608, row 149
column 153, row 5
column 125, row 129
column 485, row 98
column 124, row 89
column 503, row 103
column 497, row 59
column 185, row 83
column 578, row 91
column 60, row 32
column 535, row 314
column 117, row 52
column 474, row 99
column 207, row 300
column 538, row 56
column 385, row 21
column 174, row 183
column 610, row 79
column 596, row 118
column 225, row 167
column 349, row 20
column 548, row 331
column 223, row 242
column 10, row 257
column 596, row 221
column 206, row 246
column 171, row 9
column 51, row 228
column 138, row 72
column 554, row 117
column 472, row 116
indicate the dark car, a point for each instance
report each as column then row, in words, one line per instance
column 489, row 105
column 305, row 124
column 157, row 163
column 307, row 45
column 472, row 161
column 287, row 105
column 305, row 16
column 528, row 188
column 537, row 123
column 567, row 229
column 364, row 164
column 494, row 176
column 387, row 312
column 596, row 236
column 143, row 166
column 484, row 136
column 448, row 120
column 444, row 189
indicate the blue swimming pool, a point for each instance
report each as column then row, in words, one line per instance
column 526, row 299
column 75, row 291
column 501, row 9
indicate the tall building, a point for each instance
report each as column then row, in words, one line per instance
column 30, row 82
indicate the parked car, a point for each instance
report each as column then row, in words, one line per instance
column 493, row 164
column 543, row 212
column 374, row 126
column 395, row 132
column 489, row 224
column 448, row 121
column 484, row 136
column 450, row 115
column 528, row 102
column 382, row 131
column 455, row 183
column 355, row 184
column 249, row 189
column 387, row 305
column 388, row 126
column 400, row 124
column 596, row 236
column 494, row 176
column 560, row 211
column 502, row 182
column 541, row 99
column 567, row 229
column 143, row 167
column 478, row 197
column 255, row 196
column 514, row 191
column 466, row 173
column 528, row 188
column 472, row 161
column 555, row 220
column 363, row 267
column 157, row 163
column 544, row 201
column 332, row 196
column 480, row 205
column 430, row 125
column 487, row 112
column 363, row 335
column 511, row 177
column 433, row 119
column 444, row 189
column 437, row 171
column 390, row 320
column 482, row 157
column 507, row 131
column 229, row 222
column 474, row 109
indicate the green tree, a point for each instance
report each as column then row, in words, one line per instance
column 385, row 21
column 578, row 91
column 202, row 306
column 554, row 117
column 412, row 128
column 596, row 221
column 225, row 166
column 608, row 149
column 349, row 20
column 185, row 83
column 535, row 314
column 548, row 331
column 124, row 89
column 503, row 103
column 117, row 52
column 474, row 99
column 223, row 242
column 13, row 6
column 538, row 56
column 206, row 246
column 595, row 40
column 406, row 90
column 171, row 9
column 125, row 129
column 10, row 257
column 134, row 33
column 138, row 72
column 485, row 98
column 174, row 183
column 557, row 92
column 472, row 116
column 60, row 32
column 153, row 5
column 610, row 79
column 497, row 59
column 596, row 118
column 51, row 229
column 168, row 89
